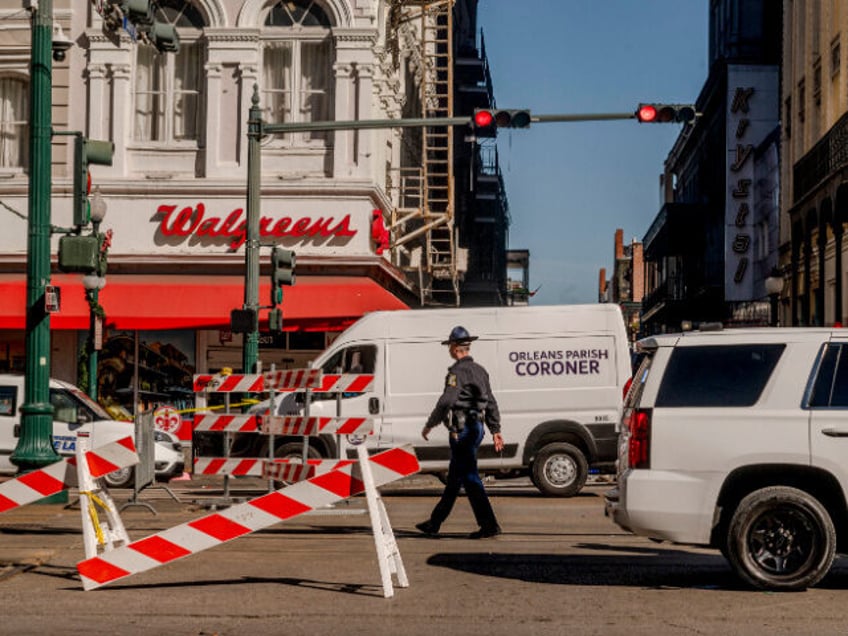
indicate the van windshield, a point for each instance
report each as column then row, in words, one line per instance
column 99, row 412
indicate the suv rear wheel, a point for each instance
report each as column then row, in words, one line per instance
column 121, row 478
column 560, row 469
column 781, row 538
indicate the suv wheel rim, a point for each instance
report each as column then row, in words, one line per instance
column 560, row 470
column 782, row 541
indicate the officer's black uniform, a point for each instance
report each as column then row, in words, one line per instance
column 466, row 402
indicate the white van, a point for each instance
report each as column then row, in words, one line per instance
column 72, row 410
column 558, row 373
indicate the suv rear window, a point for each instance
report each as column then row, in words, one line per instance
column 716, row 376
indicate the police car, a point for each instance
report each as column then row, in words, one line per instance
column 73, row 409
column 736, row 440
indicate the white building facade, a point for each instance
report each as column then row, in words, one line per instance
column 176, row 189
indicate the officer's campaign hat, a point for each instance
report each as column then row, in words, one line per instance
column 460, row 336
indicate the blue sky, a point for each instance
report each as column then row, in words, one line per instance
column 570, row 185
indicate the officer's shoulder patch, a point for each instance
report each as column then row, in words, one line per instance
column 451, row 379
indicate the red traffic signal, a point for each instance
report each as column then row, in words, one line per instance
column 488, row 119
column 483, row 118
column 665, row 113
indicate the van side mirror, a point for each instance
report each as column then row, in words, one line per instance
column 16, row 431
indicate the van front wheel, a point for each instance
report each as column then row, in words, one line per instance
column 560, row 470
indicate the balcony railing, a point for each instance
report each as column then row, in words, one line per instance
column 827, row 156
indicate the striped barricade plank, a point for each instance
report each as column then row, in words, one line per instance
column 223, row 422
column 235, row 466
column 292, row 470
column 252, row 383
column 310, row 426
column 299, row 379
column 242, row 519
column 58, row 476
column 293, row 379
column 347, row 383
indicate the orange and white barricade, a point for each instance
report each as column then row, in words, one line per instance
column 65, row 473
column 348, row 479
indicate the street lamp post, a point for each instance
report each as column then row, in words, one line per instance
column 93, row 283
column 774, row 285
column 35, row 447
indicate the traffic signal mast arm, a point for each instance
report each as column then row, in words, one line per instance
column 361, row 124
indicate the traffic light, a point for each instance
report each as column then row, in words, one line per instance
column 243, row 320
column 275, row 320
column 164, row 37
column 665, row 113
column 141, row 14
column 282, row 272
column 87, row 151
column 79, row 253
column 488, row 120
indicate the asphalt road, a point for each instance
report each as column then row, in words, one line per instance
column 560, row 568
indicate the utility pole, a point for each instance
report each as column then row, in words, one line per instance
column 35, row 448
column 250, row 350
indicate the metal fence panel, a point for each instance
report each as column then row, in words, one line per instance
column 144, row 443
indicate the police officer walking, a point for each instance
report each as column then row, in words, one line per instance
column 465, row 405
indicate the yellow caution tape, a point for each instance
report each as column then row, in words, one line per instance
column 92, row 513
column 248, row 402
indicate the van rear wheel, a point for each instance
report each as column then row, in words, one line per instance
column 560, row 469
column 292, row 451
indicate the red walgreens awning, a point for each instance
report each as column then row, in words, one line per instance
column 148, row 302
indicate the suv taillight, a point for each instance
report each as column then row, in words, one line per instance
column 627, row 386
column 639, row 443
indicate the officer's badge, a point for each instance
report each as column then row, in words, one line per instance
column 451, row 379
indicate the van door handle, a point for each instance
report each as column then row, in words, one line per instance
column 835, row 432
column 373, row 405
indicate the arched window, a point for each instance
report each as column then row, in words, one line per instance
column 169, row 86
column 297, row 67
column 14, row 126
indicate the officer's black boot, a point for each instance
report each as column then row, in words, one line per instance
column 428, row 527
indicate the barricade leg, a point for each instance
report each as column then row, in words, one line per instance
column 388, row 554
column 98, row 536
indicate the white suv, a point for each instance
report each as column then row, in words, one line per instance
column 738, row 440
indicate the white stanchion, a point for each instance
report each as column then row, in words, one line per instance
column 98, row 536
column 388, row 553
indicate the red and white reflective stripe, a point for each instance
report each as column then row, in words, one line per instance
column 241, row 519
column 252, row 383
column 347, row 383
column 238, row 466
column 293, row 379
column 292, row 470
column 110, row 457
column 57, row 477
column 296, row 425
column 225, row 422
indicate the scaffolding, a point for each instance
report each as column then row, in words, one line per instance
column 423, row 219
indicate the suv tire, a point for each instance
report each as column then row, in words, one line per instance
column 781, row 539
column 121, row 478
column 560, row 470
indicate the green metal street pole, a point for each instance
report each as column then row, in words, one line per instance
column 250, row 351
column 35, row 448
